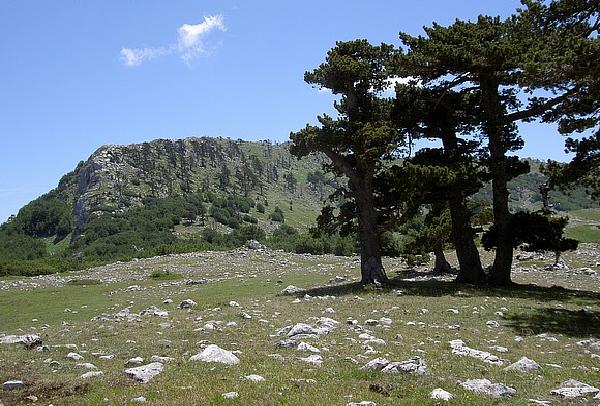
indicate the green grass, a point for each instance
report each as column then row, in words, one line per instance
column 589, row 234
column 84, row 282
column 587, row 214
column 166, row 275
column 252, row 280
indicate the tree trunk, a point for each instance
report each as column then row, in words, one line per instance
column 469, row 261
column 494, row 128
column 371, row 268
column 470, row 269
column 441, row 264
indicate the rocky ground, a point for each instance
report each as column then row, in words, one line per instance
column 254, row 327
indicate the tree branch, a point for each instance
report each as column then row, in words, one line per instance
column 542, row 108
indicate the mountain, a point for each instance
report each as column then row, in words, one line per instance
column 126, row 200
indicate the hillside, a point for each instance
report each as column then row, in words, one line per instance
column 193, row 194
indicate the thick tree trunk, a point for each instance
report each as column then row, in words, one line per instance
column 441, row 264
column 469, row 261
column 470, row 269
column 371, row 268
column 500, row 272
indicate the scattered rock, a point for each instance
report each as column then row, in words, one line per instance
column 154, row 311
column 440, row 394
column 230, row 395
column 313, row 359
column 162, row 360
column 376, row 364
column 523, row 365
column 13, row 385
column 290, row 290
column 30, row 341
column 414, row 366
column 187, row 304
column 74, row 356
column 213, row 353
column 574, row 389
column 459, row 348
column 91, row 374
column 254, row 378
column 307, row 347
column 145, row 373
column 484, row 386
column 134, row 361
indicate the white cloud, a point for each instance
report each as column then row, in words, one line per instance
column 136, row 56
column 190, row 43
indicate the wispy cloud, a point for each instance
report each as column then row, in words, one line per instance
column 189, row 46
column 136, row 56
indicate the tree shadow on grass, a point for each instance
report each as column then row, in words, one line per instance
column 572, row 323
column 436, row 288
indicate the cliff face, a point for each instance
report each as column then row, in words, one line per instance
column 117, row 177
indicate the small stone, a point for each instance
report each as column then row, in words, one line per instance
column 574, row 389
column 440, row 394
column 74, row 356
column 91, row 374
column 212, row 353
column 145, row 373
column 162, row 360
column 313, row 359
column 495, row 390
column 290, row 290
column 230, row 395
column 134, row 361
column 307, row 347
column 187, row 304
column 254, row 378
column 523, row 365
column 13, row 385
column 414, row 365
column 139, row 399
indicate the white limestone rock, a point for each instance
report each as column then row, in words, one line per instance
column 573, row 389
column 13, row 384
column 212, row 353
column 92, row 374
column 414, row 365
column 484, row 386
column 230, row 395
column 303, row 346
column 440, row 394
column 524, row 365
column 187, row 304
column 145, row 373
column 459, row 348
column 254, row 378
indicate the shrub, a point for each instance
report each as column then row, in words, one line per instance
column 277, row 215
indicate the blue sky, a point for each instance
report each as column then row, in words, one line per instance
column 75, row 75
